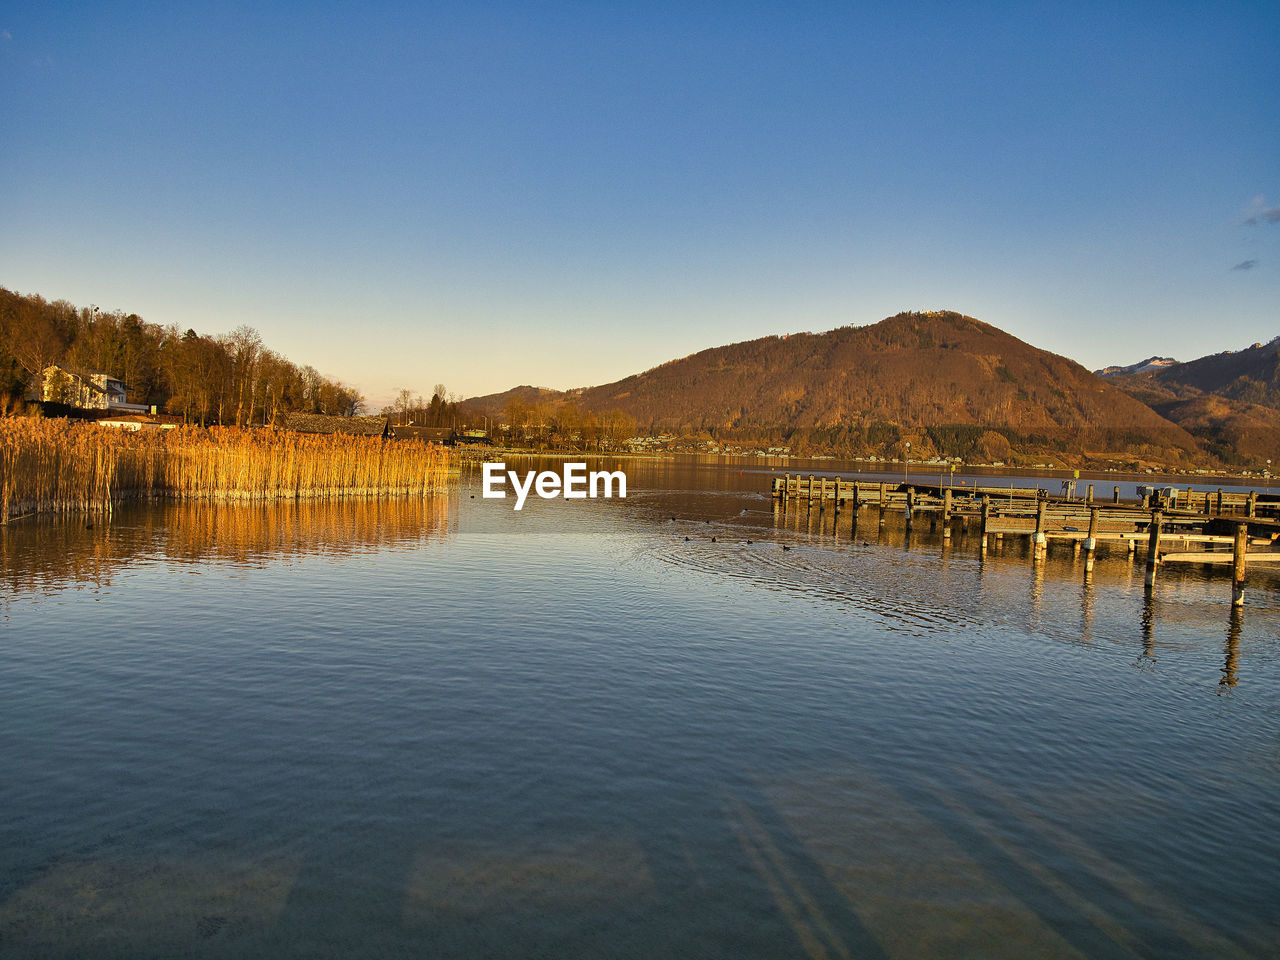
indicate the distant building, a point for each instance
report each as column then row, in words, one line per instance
column 86, row 389
column 473, row 437
column 134, row 422
column 442, row 435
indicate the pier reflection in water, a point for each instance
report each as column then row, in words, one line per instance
column 1116, row 568
column 675, row 725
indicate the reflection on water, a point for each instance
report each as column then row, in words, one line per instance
column 683, row 724
column 1230, row 666
column 46, row 555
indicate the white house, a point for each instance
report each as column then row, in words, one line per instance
column 87, row 389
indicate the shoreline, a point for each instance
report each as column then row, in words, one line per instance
column 921, row 471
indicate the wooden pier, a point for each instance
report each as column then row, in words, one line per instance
column 1175, row 526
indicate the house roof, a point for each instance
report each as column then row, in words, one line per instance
column 374, row 426
column 82, row 372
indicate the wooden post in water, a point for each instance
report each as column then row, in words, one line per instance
column 836, row 495
column 1091, row 541
column 1115, row 494
column 1039, row 542
column 1240, row 548
column 822, row 495
column 986, row 515
column 946, row 514
column 884, row 502
column 911, row 500
column 1088, row 497
column 1153, row 547
column 1219, row 501
column 811, row 491
column 1252, row 504
column 786, row 488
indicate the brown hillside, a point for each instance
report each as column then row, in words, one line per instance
column 495, row 403
column 1245, row 434
column 912, row 374
column 1231, row 400
column 1250, row 376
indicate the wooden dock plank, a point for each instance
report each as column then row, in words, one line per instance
column 1217, row 556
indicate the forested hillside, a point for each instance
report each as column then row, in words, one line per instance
column 1229, row 400
column 231, row 379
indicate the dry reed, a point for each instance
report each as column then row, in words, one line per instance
column 59, row 466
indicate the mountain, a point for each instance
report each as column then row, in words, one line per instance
column 1242, row 434
column 950, row 384
column 494, row 404
column 1230, row 400
column 1251, row 376
column 1144, row 366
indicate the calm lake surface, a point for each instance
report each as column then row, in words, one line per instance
column 443, row 728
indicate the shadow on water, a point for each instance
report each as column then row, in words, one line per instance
column 823, row 920
column 743, row 884
column 873, row 863
column 1091, row 903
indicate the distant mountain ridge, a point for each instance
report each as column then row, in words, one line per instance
column 950, row 384
column 1143, row 366
column 1230, row 401
column 1251, row 375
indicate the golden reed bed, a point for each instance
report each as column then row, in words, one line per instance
column 62, row 466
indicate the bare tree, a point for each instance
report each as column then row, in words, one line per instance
column 404, row 401
column 245, row 347
column 33, row 337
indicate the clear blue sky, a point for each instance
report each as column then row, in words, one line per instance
column 565, row 193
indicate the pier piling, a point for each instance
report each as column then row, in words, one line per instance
column 1153, row 547
column 1238, row 553
column 1091, row 541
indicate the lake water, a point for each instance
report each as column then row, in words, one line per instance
column 589, row 729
